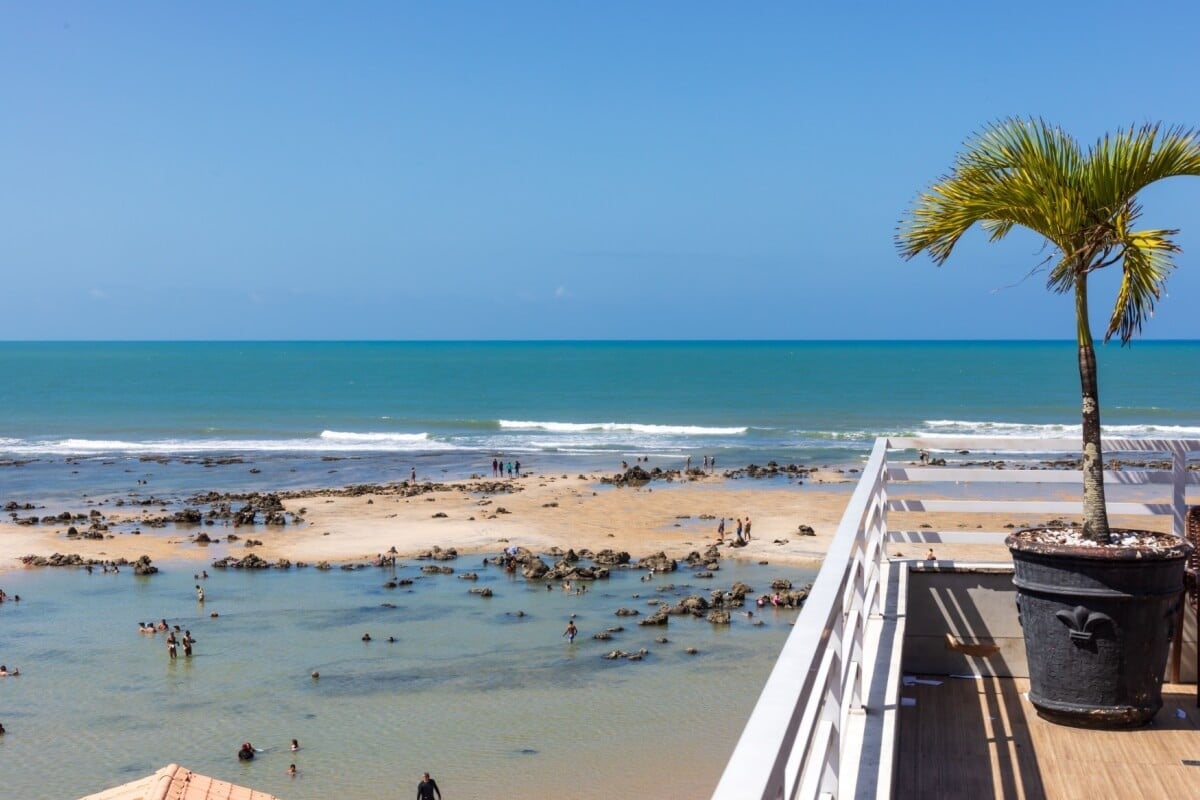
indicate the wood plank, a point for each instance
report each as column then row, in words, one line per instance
column 980, row 738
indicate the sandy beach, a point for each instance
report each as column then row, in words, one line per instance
column 538, row 512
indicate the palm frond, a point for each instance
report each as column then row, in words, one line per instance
column 1145, row 264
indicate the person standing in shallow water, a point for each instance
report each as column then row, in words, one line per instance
column 571, row 632
column 427, row 787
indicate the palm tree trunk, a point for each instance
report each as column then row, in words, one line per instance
column 1095, row 511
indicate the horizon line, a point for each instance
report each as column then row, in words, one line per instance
column 891, row 340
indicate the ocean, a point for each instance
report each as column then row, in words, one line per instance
column 495, row 704
column 314, row 414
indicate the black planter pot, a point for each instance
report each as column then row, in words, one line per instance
column 1098, row 622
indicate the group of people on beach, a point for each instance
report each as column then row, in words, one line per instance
column 499, row 467
column 741, row 532
column 173, row 642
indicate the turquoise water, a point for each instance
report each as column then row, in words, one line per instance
column 87, row 414
column 493, row 704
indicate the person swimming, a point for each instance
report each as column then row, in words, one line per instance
column 246, row 753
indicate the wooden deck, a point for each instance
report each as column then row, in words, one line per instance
column 982, row 738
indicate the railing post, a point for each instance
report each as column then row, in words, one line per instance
column 831, row 713
column 879, row 529
column 1179, row 488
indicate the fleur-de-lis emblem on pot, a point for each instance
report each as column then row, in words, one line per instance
column 1080, row 622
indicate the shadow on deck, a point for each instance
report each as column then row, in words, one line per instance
column 980, row 737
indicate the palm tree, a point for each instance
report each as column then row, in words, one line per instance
column 1029, row 173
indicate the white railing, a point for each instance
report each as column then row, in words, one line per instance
column 794, row 744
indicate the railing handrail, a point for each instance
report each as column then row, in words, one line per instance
column 792, row 745
column 760, row 763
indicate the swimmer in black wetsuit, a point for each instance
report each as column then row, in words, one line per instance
column 427, row 787
column 246, row 753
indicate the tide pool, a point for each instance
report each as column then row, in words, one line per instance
column 492, row 703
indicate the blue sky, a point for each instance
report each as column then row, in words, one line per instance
column 405, row 170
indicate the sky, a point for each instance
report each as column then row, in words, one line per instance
column 556, row 170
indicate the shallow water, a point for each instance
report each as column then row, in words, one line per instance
column 493, row 704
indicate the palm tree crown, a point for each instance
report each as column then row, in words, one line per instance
column 1028, row 173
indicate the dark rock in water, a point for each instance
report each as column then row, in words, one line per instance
column 203, row 538
column 612, row 655
column 693, row 604
column 659, row 562
column 535, row 569
column 438, row 554
column 702, row 574
column 779, row 584
column 188, row 516
column 405, row 582
column 469, row 576
column 323, row 565
column 627, row 612
column 143, row 566
column 660, row 617
column 611, row 557
column 806, row 530
column 718, row 616
column 482, row 591
column 740, row 589
column 691, row 651
column 602, row 636
column 662, row 640
column 434, row 569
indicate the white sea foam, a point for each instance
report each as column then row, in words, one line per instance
column 386, row 438
column 957, row 428
column 615, row 427
column 328, row 441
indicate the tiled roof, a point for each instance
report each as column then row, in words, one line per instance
column 174, row 782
